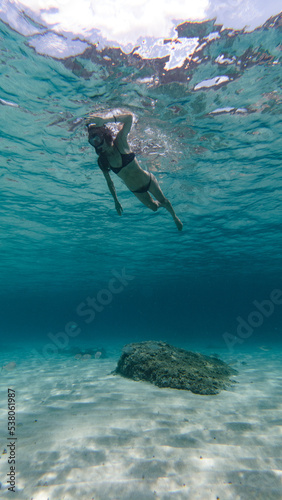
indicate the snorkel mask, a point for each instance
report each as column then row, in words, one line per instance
column 96, row 139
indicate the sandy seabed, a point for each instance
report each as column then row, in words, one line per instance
column 85, row 434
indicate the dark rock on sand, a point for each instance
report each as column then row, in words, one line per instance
column 167, row 366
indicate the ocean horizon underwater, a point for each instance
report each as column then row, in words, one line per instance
column 79, row 282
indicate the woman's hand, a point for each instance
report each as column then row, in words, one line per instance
column 95, row 120
column 119, row 208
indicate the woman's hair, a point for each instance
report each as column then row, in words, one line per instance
column 103, row 131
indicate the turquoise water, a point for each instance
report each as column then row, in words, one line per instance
column 78, row 281
column 209, row 130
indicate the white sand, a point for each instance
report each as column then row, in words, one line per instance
column 83, row 434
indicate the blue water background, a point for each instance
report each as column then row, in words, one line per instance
column 61, row 239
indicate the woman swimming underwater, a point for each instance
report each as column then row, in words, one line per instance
column 114, row 155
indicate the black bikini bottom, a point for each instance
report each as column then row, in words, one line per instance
column 145, row 188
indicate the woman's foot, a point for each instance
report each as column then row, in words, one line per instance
column 178, row 223
column 166, row 204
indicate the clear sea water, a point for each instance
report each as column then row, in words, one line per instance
column 210, row 130
column 78, row 281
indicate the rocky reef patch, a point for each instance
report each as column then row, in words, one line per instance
column 164, row 365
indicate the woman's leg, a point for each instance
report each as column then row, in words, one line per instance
column 147, row 200
column 156, row 191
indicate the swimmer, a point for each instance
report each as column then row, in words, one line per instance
column 114, row 155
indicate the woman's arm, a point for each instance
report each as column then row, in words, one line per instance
column 97, row 120
column 112, row 190
column 121, row 138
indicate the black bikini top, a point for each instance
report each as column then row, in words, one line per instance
column 125, row 159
